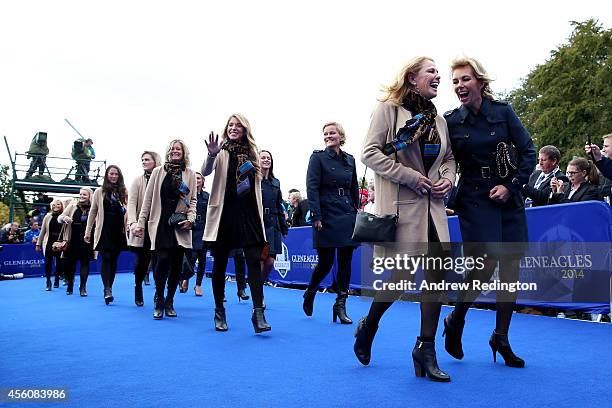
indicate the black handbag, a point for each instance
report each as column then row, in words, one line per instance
column 377, row 228
column 176, row 218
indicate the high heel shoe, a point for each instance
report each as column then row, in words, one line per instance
column 453, row 331
column 425, row 362
column 169, row 308
column 146, row 279
column 242, row 295
column 158, row 311
column 184, row 286
column 108, row 296
column 308, row 304
column 259, row 321
column 220, row 321
column 364, row 337
column 500, row 343
column 82, row 291
column 138, row 297
column 339, row 309
column 48, row 288
column 197, row 289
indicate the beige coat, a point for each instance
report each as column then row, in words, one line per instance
column 217, row 193
column 135, row 199
column 150, row 211
column 43, row 238
column 96, row 217
column 413, row 224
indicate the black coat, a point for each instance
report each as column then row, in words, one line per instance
column 300, row 216
column 541, row 194
column 197, row 232
column 333, row 197
column 273, row 214
column 585, row 192
column 475, row 139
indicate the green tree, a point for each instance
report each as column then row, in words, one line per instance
column 569, row 98
column 5, row 184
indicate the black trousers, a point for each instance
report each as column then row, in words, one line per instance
column 142, row 258
column 49, row 257
column 108, row 269
column 37, row 162
column 253, row 261
column 326, row 261
column 70, row 268
column 239, row 268
column 168, row 270
column 199, row 256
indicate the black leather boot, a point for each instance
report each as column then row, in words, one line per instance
column 259, row 321
column 146, row 279
column 138, row 297
column 309, row 297
column 242, row 295
column 220, row 321
column 48, row 288
column 453, row 331
column 425, row 362
column 500, row 343
column 158, row 311
column 169, row 309
column 339, row 309
column 108, row 296
column 364, row 337
column 70, row 287
column 56, row 282
column 82, row 290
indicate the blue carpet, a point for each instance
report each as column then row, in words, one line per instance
column 119, row 356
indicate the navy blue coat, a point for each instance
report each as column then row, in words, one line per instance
column 333, row 197
column 197, row 232
column 273, row 214
column 474, row 139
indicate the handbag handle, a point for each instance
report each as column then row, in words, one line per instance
column 363, row 179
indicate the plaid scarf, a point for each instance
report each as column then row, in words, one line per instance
column 415, row 103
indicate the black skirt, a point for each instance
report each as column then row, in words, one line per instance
column 166, row 236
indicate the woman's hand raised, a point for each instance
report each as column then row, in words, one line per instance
column 213, row 144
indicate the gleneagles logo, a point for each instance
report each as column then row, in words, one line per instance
column 282, row 263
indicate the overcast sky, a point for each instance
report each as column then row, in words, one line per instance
column 132, row 75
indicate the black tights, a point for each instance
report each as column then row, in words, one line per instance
column 326, row 261
column 70, row 265
column 168, row 269
column 49, row 257
column 239, row 268
column 141, row 267
column 108, row 269
column 253, row 261
column 508, row 272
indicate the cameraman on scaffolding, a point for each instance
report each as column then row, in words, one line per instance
column 83, row 152
column 38, row 153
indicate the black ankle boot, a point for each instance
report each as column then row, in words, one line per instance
column 220, row 321
column 499, row 343
column 339, row 309
column 169, row 309
column 259, row 321
column 158, row 311
column 56, row 282
column 146, row 279
column 425, row 362
column 364, row 337
column 138, row 297
column 48, row 288
column 453, row 331
column 108, row 296
column 82, row 291
column 242, row 295
column 69, row 288
column 309, row 297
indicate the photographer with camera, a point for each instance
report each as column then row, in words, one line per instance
column 11, row 234
column 38, row 153
column 83, row 152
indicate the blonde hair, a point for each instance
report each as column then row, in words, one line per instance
column 155, row 156
column 57, row 200
column 479, row 72
column 396, row 92
column 340, row 130
column 253, row 156
column 604, row 137
column 185, row 151
column 89, row 191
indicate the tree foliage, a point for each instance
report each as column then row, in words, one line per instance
column 569, row 97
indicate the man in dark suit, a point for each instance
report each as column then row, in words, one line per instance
column 538, row 187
